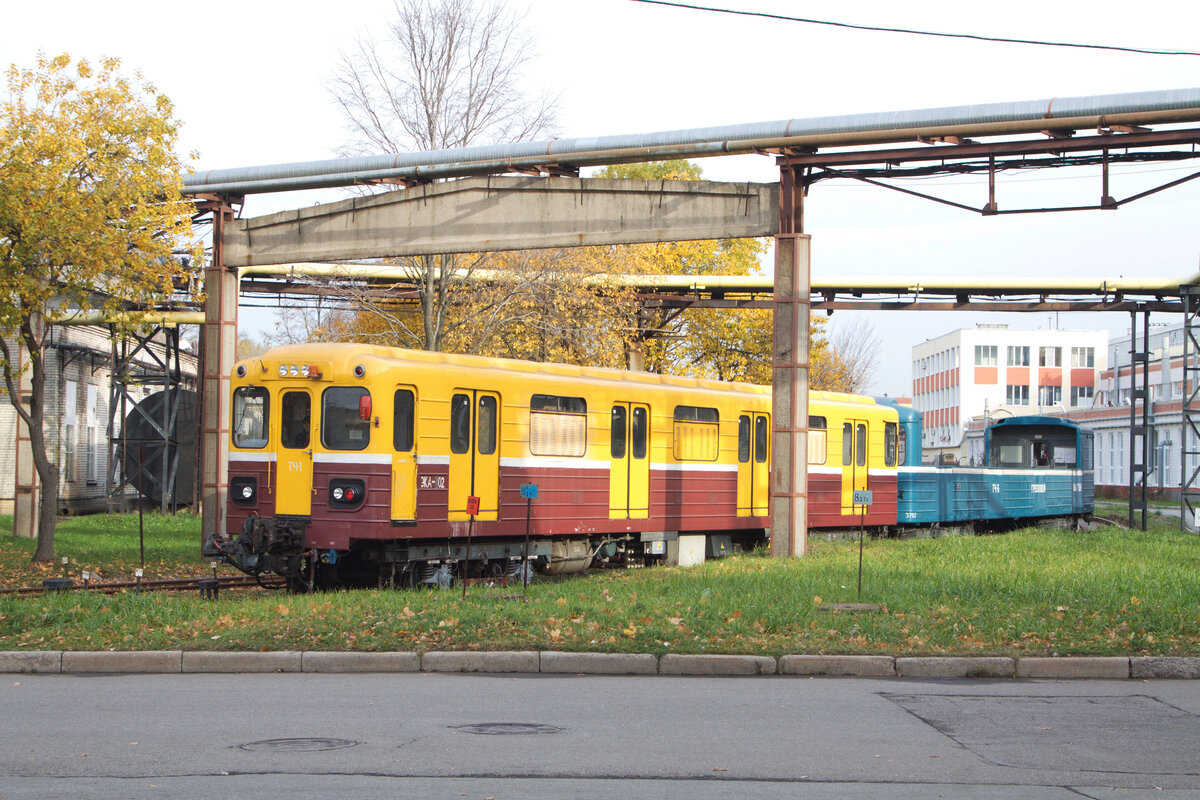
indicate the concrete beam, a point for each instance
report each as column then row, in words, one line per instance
column 505, row 213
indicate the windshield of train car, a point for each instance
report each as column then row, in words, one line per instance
column 1063, row 456
column 251, row 416
column 342, row 425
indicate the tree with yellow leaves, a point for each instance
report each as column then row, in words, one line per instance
column 90, row 215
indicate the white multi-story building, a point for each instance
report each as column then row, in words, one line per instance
column 979, row 371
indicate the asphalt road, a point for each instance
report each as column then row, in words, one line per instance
column 538, row 736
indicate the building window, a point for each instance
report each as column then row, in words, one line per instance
column 1049, row 356
column 92, row 460
column 1017, row 395
column 70, row 428
column 986, row 355
column 1018, row 356
column 1049, row 395
column 1083, row 357
column 1081, row 395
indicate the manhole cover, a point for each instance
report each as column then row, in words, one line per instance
column 304, row 745
column 508, row 728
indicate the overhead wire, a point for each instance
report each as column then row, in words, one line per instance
column 914, row 32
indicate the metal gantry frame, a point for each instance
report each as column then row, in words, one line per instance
column 1189, row 444
column 164, row 371
column 1139, row 390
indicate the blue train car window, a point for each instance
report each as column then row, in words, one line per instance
column 1064, row 456
column 860, row 457
column 890, row 436
column 847, row 443
column 901, row 452
column 743, row 439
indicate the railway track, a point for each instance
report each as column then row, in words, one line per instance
column 162, row 585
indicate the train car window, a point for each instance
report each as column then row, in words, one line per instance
column 460, row 424
column 485, row 426
column 549, row 402
column 1012, row 456
column 296, row 410
column 696, row 414
column 557, row 426
column 342, row 425
column 403, row 420
column 860, row 456
column 890, row 437
column 638, row 432
column 1063, row 457
column 743, row 439
column 761, row 431
column 847, row 444
column 901, row 451
column 818, row 440
column 617, row 441
column 251, row 416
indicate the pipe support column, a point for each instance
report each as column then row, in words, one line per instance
column 789, row 473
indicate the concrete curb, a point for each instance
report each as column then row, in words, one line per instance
column 18, row 662
column 850, row 666
column 954, row 667
column 1073, row 667
column 499, row 661
column 216, row 661
column 335, row 661
column 600, row 663
column 674, row 664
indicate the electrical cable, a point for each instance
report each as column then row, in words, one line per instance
column 881, row 29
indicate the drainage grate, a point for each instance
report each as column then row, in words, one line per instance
column 304, row 745
column 508, row 728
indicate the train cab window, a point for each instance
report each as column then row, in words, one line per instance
column 251, row 416
column 761, row 432
column 744, row 439
column 342, row 425
column 1011, row 456
column 460, row 424
column 860, row 456
column 557, row 426
column 295, row 427
column 1041, row 454
column 696, row 433
column 890, row 436
column 818, row 440
column 847, row 444
column 403, row 420
column 639, row 432
column 617, row 440
column 901, row 455
column 1063, row 457
column 485, row 426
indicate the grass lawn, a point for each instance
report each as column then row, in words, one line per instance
column 1032, row 592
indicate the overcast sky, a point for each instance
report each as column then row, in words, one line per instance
column 249, row 84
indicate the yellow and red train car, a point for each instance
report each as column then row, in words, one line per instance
column 352, row 464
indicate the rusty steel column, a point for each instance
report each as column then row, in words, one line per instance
column 789, row 461
column 219, row 351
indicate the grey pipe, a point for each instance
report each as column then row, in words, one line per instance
column 1160, row 106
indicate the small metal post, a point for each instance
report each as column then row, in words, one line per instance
column 861, row 526
column 141, row 523
column 137, row 575
column 472, row 510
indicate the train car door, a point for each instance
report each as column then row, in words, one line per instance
column 474, row 453
column 629, row 470
column 404, row 462
column 854, row 463
column 753, row 491
column 294, row 484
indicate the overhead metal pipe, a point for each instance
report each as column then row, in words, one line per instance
column 135, row 317
column 1178, row 105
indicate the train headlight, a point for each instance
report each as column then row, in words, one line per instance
column 293, row 370
column 304, row 370
column 347, row 494
column 283, row 370
column 247, row 492
column 243, row 491
column 338, row 493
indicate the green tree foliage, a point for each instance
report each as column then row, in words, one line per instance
column 90, row 214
